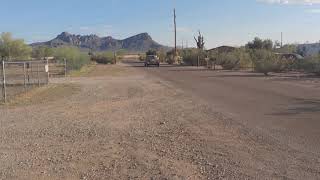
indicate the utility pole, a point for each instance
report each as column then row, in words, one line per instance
column 281, row 39
column 175, row 31
column 115, row 57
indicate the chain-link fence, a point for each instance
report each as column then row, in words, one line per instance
column 20, row 76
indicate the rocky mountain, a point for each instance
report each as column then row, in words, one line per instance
column 138, row 43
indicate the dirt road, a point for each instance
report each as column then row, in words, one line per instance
column 124, row 122
column 285, row 107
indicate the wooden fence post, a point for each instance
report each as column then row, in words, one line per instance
column 65, row 67
column 47, row 69
column 24, row 77
column 4, row 90
column 198, row 60
column 38, row 69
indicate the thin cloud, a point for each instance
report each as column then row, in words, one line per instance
column 301, row 2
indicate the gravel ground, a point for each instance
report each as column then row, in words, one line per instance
column 124, row 124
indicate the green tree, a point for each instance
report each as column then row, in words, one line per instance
column 267, row 44
column 151, row 52
column 258, row 43
column 41, row 52
column 311, row 64
column 75, row 58
column 13, row 48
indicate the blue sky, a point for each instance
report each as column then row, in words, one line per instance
column 222, row 22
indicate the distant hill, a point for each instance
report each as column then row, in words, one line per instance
column 138, row 43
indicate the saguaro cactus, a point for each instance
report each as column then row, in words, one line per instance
column 200, row 45
column 200, row 41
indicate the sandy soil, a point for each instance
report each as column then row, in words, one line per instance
column 121, row 123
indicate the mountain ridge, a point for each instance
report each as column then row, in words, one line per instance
column 139, row 43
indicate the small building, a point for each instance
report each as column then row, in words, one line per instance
column 222, row 49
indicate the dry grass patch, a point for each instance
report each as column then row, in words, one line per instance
column 109, row 70
column 45, row 94
column 96, row 70
column 84, row 71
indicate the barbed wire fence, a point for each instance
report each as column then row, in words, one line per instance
column 18, row 77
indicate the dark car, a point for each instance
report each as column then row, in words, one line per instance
column 152, row 60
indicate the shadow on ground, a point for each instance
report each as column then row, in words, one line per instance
column 300, row 106
column 274, row 76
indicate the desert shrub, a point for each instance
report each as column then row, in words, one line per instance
column 104, row 57
column 170, row 57
column 190, row 56
column 311, row 65
column 121, row 52
column 290, row 64
column 162, row 55
column 142, row 57
column 228, row 61
column 75, row 58
column 266, row 61
column 151, row 52
column 236, row 59
column 244, row 57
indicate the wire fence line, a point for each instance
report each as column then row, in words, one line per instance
column 20, row 76
column 57, row 68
